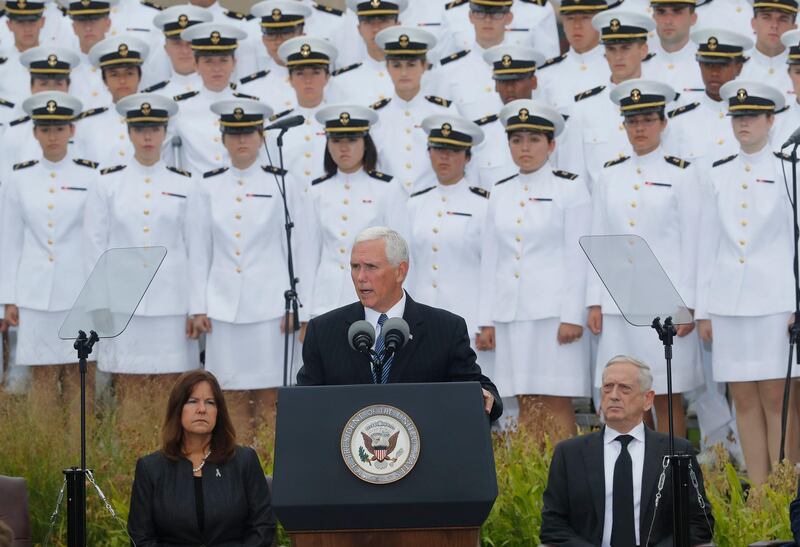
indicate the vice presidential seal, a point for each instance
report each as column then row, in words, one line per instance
column 380, row 444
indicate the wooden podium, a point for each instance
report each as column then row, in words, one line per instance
column 441, row 501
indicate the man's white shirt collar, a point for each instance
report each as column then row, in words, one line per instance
column 397, row 310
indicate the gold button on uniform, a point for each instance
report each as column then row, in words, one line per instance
column 436, row 230
column 52, row 190
column 747, row 168
column 147, row 195
column 440, row 214
column 522, row 203
column 307, row 154
column 636, row 186
column 741, row 260
column 49, row 241
column 435, row 286
column 237, row 234
column 50, row 224
column 238, row 252
column 638, row 170
column 239, row 199
column 744, row 223
column 343, row 233
column 344, row 217
column 240, row 182
column 52, row 175
column 146, row 212
column 516, row 274
column 346, row 201
column 744, row 205
column 744, row 186
column 146, row 230
column 742, row 242
column 51, row 258
column 238, row 216
column 633, row 204
column 518, row 238
column 346, row 185
column 342, row 250
column 51, row 206
column 435, row 267
column 435, row 249
column 632, row 223
column 238, row 269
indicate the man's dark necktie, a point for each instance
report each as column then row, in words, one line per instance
column 379, row 345
column 623, row 531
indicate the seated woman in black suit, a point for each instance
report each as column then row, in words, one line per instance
column 200, row 488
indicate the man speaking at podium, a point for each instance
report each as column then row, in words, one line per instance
column 434, row 348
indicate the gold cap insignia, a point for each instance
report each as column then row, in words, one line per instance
column 636, row 95
column 52, row 59
column 404, row 40
column 51, row 106
column 183, row 20
column 238, row 113
column 305, row 50
column 712, row 43
column 123, row 50
column 614, row 25
column 86, row 3
column 276, row 14
column 506, row 61
column 146, row 109
column 21, row 4
column 215, row 37
column 375, row 3
column 344, row 118
column 446, row 129
column 741, row 95
column 524, row 114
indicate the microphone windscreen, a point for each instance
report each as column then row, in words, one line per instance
column 397, row 324
column 359, row 329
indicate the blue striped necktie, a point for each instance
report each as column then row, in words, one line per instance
column 379, row 350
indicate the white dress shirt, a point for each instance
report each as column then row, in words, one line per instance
column 365, row 85
column 769, row 70
column 372, row 316
column 611, row 451
column 678, row 69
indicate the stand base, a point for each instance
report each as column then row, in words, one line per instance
column 428, row 537
column 76, row 507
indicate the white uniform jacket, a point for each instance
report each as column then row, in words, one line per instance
column 745, row 249
column 445, row 224
column 531, row 264
column 141, row 206
column 657, row 197
column 41, row 233
column 237, row 245
column 340, row 206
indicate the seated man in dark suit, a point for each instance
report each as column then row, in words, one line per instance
column 438, row 349
column 602, row 486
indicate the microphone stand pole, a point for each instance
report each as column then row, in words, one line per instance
column 76, row 477
column 679, row 463
column 794, row 330
column 290, row 296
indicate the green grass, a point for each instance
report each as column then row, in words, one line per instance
column 36, row 443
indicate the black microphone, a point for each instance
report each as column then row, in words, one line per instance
column 395, row 333
column 793, row 139
column 361, row 336
column 286, row 123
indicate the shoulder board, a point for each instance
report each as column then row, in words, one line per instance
column 683, row 164
column 565, row 174
column 255, row 76
column 156, row 87
column 184, row 96
column 86, row 163
column 214, row 172
column 274, row 170
column 380, row 104
column 232, row 85
column 323, row 178
column 380, row 176
column 648, row 57
column 420, row 192
column 151, row 5
column 4, row 102
column 553, row 61
column 479, row 191
column 92, row 112
column 723, row 161
column 246, row 96
column 438, row 100
column 239, row 16
column 340, row 71
column 781, row 110
column 3, row 59
column 327, row 9
column 109, row 170
column 19, row 121
column 682, row 110
column 25, row 164
column 515, row 175
column 179, row 171
column 782, row 156
column 589, row 93
column 534, row 2
column 616, row 161
column 456, row 3
column 453, row 57
column 280, row 115
column 486, row 119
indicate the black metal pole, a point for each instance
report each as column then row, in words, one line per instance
column 76, row 477
column 794, row 330
column 290, row 296
column 679, row 464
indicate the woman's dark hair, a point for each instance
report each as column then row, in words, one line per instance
column 369, row 161
column 548, row 134
column 223, row 437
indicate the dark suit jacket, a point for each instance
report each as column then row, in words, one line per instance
column 236, row 499
column 574, row 500
column 439, row 351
